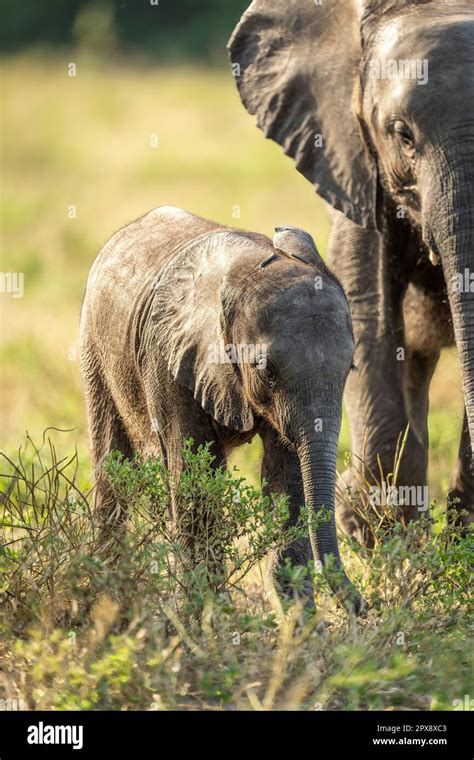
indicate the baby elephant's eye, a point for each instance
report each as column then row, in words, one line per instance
column 264, row 371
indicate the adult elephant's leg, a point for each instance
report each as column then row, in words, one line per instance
column 375, row 401
column 461, row 491
column 282, row 472
column 419, row 371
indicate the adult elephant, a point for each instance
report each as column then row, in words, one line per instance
column 374, row 99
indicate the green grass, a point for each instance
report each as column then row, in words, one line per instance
column 86, row 141
column 165, row 627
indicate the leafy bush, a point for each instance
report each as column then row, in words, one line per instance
column 166, row 626
column 53, row 551
column 222, row 528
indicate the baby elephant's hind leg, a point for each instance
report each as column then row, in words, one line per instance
column 179, row 418
column 197, row 525
column 107, row 433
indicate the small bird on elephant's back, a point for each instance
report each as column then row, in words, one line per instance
column 192, row 330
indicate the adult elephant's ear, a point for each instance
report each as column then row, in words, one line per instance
column 187, row 318
column 296, row 65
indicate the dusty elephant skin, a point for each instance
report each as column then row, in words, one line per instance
column 193, row 330
column 374, row 99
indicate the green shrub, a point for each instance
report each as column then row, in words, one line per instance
column 166, row 627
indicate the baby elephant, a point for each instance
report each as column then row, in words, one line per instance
column 194, row 330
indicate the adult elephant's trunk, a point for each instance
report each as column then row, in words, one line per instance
column 448, row 227
column 317, row 454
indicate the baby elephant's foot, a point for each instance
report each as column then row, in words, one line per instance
column 293, row 583
column 296, row 592
column 347, row 595
column 356, row 604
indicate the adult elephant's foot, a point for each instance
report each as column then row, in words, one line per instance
column 461, row 487
column 350, row 510
column 460, row 507
column 362, row 508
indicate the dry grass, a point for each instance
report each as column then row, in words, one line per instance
column 152, row 632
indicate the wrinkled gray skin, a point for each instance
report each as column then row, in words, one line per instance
column 389, row 147
column 169, row 288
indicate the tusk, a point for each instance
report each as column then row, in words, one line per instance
column 434, row 258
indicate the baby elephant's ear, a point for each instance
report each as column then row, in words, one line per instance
column 187, row 317
column 297, row 244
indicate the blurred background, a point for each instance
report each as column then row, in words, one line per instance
column 108, row 110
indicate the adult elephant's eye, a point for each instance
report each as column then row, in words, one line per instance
column 404, row 134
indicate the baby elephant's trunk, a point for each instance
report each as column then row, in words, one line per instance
column 317, row 456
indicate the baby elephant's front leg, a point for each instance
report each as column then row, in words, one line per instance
column 282, row 473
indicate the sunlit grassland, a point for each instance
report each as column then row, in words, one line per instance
column 76, row 634
column 87, row 141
